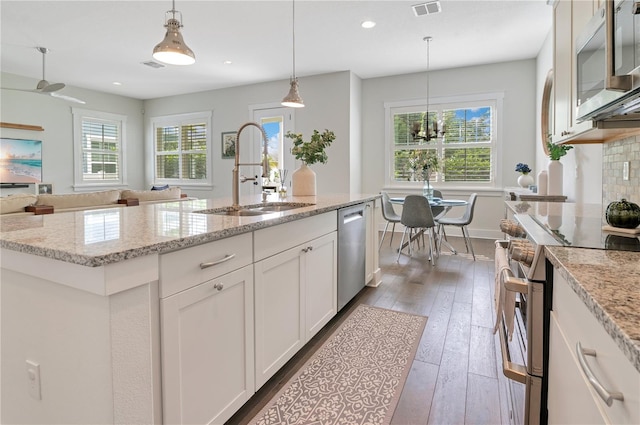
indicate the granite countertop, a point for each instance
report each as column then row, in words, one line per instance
column 607, row 282
column 99, row 237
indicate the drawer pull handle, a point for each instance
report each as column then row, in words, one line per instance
column 220, row 261
column 604, row 394
column 307, row 249
column 218, row 286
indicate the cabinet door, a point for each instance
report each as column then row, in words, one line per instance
column 372, row 260
column 320, row 280
column 207, row 349
column 279, row 311
column 569, row 398
column 562, row 59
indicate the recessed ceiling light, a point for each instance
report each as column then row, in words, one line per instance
column 117, row 83
column 227, row 62
column 368, row 24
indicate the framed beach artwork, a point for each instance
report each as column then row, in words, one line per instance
column 20, row 161
column 229, row 144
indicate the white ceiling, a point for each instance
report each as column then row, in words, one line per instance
column 94, row 43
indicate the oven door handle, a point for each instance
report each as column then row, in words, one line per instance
column 513, row 371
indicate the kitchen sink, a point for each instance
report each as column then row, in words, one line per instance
column 256, row 210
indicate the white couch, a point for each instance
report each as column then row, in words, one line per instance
column 16, row 204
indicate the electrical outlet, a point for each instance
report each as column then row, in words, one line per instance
column 33, row 380
column 625, row 171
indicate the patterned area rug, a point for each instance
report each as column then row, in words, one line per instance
column 356, row 377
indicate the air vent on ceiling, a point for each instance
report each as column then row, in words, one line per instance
column 426, row 8
column 153, row 64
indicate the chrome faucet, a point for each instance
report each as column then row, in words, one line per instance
column 236, row 168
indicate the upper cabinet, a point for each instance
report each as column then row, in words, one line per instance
column 570, row 18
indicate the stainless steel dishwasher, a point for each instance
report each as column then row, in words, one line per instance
column 351, row 252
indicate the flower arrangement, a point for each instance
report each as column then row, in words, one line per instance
column 523, row 168
column 423, row 162
column 557, row 151
column 314, row 150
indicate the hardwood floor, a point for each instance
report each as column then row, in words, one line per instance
column 454, row 378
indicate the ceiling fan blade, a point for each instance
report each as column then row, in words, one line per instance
column 14, row 89
column 50, row 88
column 67, row 98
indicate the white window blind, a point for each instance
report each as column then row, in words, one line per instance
column 182, row 149
column 99, row 143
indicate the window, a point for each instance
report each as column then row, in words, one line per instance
column 182, row 147
column 464, row 151
column 99, row 141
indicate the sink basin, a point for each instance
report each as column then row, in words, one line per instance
column 256, row 210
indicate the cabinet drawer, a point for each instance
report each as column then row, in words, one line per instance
column 180, row 270
column 610, row 366
column 275, row 239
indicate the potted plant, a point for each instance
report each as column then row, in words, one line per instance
column 525, row 180
column 555, row 173
column 311, row 152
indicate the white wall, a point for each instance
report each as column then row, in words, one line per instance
column 54, row 115
column 517, row 80
column 328, row 106
column 582, row 166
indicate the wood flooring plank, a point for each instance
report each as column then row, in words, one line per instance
column 464, row 290
column 482, row 359
column 482, row 405
column 482, row 314
column 415, row 402
column 459, row 330
column 433, row 337
column 449, row 398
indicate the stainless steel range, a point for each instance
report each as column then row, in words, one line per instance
column 535, row 225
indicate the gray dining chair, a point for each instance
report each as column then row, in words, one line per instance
column 390, row 215
column 437, row 210
column 416, row 216
column 461, row 222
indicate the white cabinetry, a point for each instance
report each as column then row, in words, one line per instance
column 207, row 331
column 572, row 398
column 372, row 267
column 570, row 17
column 295, row 290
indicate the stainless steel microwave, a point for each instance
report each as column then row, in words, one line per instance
column 608, row 63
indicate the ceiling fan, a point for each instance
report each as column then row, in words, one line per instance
column 47, row 88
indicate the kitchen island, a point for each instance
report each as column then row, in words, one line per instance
column 95, row 304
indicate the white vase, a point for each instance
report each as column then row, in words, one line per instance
column 303, row 181
column 525, row 181
column 543, row 182
column 555, row 178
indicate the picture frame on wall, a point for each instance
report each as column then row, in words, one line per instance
column 229, row 144
column 44, row 188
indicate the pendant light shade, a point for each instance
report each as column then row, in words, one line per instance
column 293, row 99
column 173, row 50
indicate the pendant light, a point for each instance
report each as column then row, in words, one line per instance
column 293, row 99
column 173, row 50
column 430, row 127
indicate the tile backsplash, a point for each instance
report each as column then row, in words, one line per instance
column 615, row 155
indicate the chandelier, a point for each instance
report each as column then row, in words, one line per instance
column 431, row 128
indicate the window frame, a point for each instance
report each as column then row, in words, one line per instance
column 494, row 100
column 79, row 117
column 180, row 120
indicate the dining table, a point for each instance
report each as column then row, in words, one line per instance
column 447, row 204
